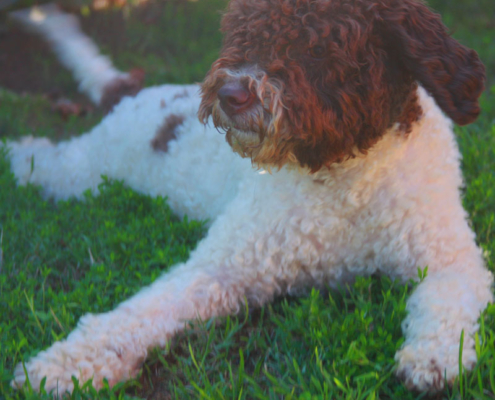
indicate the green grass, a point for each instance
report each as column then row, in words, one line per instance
column 61, row 260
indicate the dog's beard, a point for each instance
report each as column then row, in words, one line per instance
column 255, row 135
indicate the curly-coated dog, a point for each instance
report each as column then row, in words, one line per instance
column 341, row 113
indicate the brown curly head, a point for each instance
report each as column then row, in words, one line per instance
column 312, row 82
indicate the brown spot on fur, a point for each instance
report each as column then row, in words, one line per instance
column 181, row 95
column 438, row 380
column 166, row 132
column 118, row 88
column 163, row 103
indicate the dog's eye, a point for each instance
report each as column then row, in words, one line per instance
column 317, row 52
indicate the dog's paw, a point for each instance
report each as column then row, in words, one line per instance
column 51, row 364
column 423, row 377
column 82, row 356
column 428, row 371
column 24, row 155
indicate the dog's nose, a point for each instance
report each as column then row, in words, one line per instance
column 234, row 98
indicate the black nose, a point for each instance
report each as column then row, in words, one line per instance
column 234, row 98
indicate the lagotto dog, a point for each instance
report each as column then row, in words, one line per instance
column 344, row 163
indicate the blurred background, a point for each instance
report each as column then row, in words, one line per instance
column 172, row 41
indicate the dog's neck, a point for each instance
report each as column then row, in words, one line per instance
column 388, row 152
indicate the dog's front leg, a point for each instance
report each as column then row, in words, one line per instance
column 444, row 307
column 225, row 269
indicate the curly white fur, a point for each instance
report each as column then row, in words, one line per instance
column 394, row 210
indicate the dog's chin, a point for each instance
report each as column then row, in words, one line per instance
column 245, row 143
column 244, row 137
column 239, row 131
column 255, row 137
column 264, row 151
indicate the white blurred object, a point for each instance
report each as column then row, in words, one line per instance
column 98, row 78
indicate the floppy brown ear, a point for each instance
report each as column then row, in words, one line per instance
column 452, row 73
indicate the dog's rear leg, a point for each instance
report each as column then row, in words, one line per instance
column 98, row 78
column 64, row 170
column 118, row 147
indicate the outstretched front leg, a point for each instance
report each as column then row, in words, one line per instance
column 114, row 345
column 236, row 261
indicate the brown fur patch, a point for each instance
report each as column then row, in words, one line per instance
column 130, row 86
column 166, row 132
column 181, row 95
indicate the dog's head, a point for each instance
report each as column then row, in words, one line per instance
column 313, row 81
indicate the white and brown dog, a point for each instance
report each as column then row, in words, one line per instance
column 347, row 167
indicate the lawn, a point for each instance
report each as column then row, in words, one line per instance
column 59, row 261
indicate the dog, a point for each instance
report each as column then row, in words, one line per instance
column 340, row 161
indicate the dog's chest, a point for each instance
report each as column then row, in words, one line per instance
column 322, row 227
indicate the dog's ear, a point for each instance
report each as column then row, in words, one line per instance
column 449, row 71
